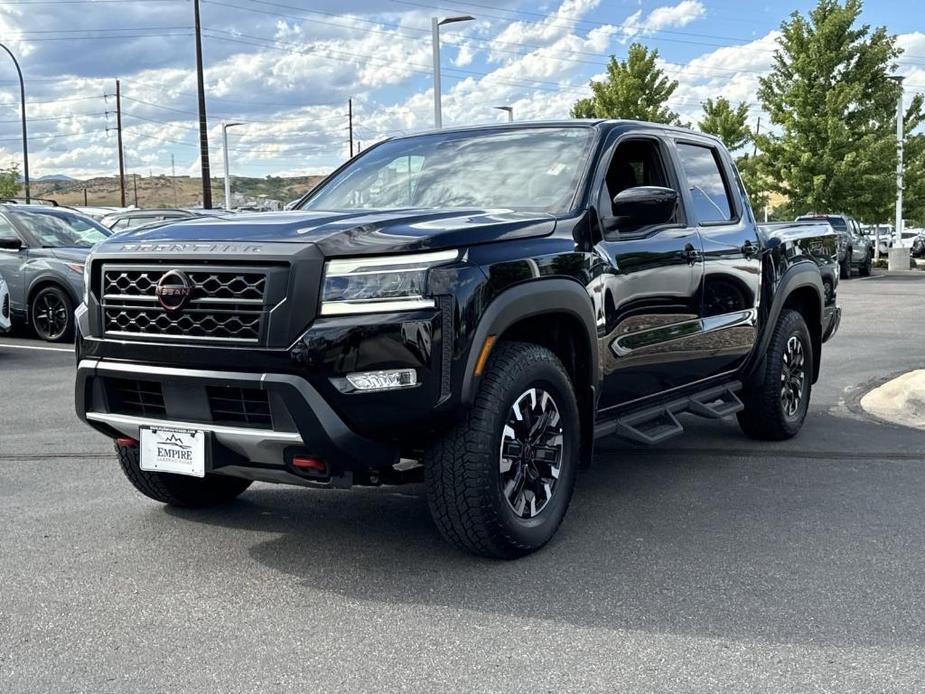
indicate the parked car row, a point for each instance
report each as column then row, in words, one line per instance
column 855, row 248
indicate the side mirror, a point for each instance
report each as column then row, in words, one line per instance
column 10, row 243
column 643, row 206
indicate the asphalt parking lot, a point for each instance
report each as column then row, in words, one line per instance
column 712, row 563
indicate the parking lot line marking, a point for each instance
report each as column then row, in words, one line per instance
column 44, row 349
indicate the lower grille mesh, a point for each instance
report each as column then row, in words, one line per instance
column 248, row 407
column 133, row 397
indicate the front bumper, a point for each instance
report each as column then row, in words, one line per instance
column 302, row 421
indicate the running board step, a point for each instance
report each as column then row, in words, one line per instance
column 656, row 424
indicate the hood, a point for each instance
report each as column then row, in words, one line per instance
column 355, row 232
column 71, row 255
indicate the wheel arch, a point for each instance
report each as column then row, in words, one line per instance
column 557, row 314
column 801, row 289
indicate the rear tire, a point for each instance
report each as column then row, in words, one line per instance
column 864, row 270
column 179, row 490
column 499, row 483
column 776, row 405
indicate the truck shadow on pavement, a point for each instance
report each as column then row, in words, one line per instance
column 760, row 548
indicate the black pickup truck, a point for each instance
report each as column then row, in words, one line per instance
column 469, row 307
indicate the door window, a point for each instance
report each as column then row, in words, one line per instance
column 706, row 183
column 635, row 163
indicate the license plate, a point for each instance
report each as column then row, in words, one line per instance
column 179, row 451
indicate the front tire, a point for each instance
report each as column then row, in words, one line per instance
column 179, row 490
column 499, row 483
column 776, row 405
column 845, row 268
column 52, row 314
column 864, row 270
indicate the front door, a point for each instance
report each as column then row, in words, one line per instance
column 12, row 265
column 649, row 287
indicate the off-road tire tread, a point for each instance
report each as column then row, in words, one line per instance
column 177, row 490
column 459, row 493
column 763, row 418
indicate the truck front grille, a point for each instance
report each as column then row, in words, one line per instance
column 224, row 304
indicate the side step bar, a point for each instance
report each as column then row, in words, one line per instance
column 656, row 424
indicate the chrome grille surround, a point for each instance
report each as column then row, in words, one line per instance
column 226, row 304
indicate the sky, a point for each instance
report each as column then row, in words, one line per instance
column 286, row 69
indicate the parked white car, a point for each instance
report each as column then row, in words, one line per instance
column 4, row 307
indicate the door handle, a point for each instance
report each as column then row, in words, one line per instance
column 749, row 249
column 690, row 254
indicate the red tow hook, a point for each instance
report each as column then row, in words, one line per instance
column 126, row 441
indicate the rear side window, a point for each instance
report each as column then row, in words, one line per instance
column 705, row 180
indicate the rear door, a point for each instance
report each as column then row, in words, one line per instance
column 731, row 283
column 12, row 264
column 649, row 302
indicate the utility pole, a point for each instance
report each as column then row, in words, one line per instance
column 135, row 187
column 203, row 126
column 350, row 123
column 25, row 139
column 85, row 196
column 757, row 130
column 119, row 133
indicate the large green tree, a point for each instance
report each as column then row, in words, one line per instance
column 9, row 181
column 635, row 89
column 729, row 124
column 833, row 103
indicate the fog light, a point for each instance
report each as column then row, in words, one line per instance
column 383, row 380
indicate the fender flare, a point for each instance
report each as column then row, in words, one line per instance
column 526, row 300
column 804, row 274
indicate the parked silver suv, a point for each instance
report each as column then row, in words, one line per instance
column 42, row 254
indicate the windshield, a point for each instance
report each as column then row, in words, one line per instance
column 59, row 229
column 528, row 169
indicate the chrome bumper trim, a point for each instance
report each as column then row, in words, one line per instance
column 257, row 445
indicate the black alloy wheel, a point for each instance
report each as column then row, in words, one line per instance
column 531, row 453
column 52, row 314
column 793, row 377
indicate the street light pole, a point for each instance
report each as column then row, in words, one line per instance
column 436, row 23
column 25, row 138
column 203, row 125
column 225, row 127
column 898, row 231
column 509, row 110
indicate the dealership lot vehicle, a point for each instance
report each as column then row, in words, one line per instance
column 855, row 248
column 42, row 254
column 127, row 219
column 463, row 302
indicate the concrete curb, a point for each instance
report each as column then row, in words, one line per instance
column 900, row 400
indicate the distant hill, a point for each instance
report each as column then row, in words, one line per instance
column 166, row 191
column 54, row 177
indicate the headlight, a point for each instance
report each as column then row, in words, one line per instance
column 367, row 285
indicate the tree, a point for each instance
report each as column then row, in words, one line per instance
column 831, row 98
column 635, row 89
column 729, row 124
column 9, row 181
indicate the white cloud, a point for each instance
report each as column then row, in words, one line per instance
column 663, row 17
